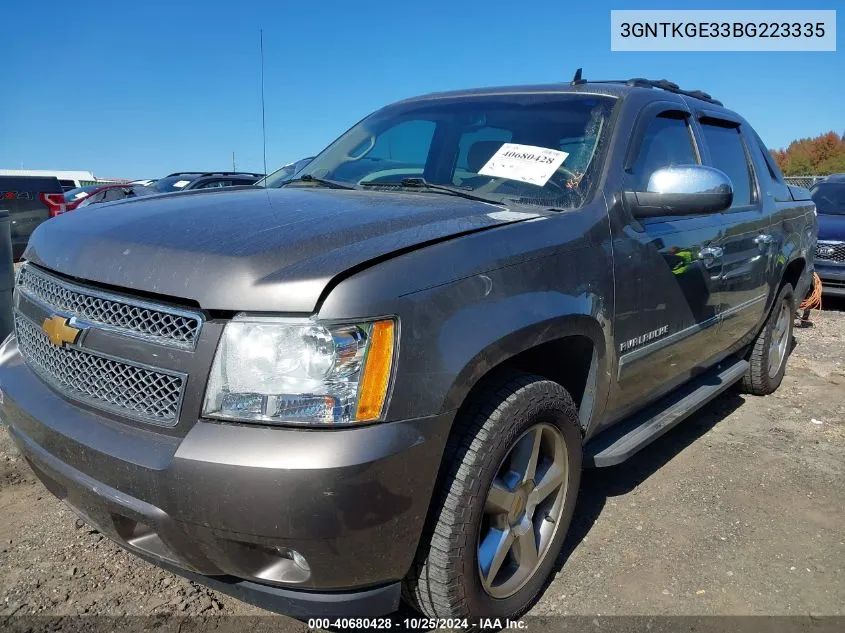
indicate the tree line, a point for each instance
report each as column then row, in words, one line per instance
column 818, row 156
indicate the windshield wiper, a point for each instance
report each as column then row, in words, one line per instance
column 422, row 183
column 332, row 184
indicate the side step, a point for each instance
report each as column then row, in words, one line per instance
column 619, row 442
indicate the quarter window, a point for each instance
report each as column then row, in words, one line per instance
column 727, row 152
column 774, row 172
column 666, row 142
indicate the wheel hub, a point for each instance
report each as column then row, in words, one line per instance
column 520, row 506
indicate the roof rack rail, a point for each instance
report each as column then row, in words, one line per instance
column 662, row 84
column 230, row 173
column 200, row 174
column 669, row 86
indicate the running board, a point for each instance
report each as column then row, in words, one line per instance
column 619, row 442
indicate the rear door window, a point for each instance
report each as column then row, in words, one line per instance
column 727, row 153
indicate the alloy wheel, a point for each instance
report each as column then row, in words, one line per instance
column 522, row 510
column 780, row 340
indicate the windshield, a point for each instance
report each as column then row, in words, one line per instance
column 174, row 183
column 80, row 192
column 829, row 197
column 283, row 174
column 524, row 148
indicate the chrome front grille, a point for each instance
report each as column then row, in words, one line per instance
column 831, row 251
column 128, row 389
column 134, row 317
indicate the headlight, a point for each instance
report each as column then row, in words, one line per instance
column 284, row 371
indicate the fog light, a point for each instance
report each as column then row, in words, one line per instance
column 292, row 555
column 299, row 559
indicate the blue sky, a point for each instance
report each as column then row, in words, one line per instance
column 138, row 90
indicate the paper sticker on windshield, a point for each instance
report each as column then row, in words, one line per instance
column 526, row 163
column 181, row 183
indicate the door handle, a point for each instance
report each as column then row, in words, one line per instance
column 710, row 255
column 763, row 240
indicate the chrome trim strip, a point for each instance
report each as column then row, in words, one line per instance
column 742, row 306
column 72, row 317
column 641, row 352
column 646, row 350
column 115, row 298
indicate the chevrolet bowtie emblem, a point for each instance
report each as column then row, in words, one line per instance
column 59, row 332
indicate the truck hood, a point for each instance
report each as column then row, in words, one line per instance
column 251, row 250
column 831, row 227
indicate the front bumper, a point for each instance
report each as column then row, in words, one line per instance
column 832, row 276
column 227, row 504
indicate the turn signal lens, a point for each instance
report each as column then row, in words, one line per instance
column 376, row 374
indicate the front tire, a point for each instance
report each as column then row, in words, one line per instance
column 504, row 504
column 767, row 360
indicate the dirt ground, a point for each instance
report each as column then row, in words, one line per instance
column 740, row 510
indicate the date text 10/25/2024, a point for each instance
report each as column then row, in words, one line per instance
column 422, row 623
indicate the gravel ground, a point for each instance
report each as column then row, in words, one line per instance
column 739, row 511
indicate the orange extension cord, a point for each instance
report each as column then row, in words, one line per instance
column 814, row 300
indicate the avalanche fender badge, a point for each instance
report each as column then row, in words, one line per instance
column 630, row 344
column 526, row 163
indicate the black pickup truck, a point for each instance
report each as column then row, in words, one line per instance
column 30, row 200
column 383, row 379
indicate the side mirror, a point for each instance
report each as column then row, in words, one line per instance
column 682, row 190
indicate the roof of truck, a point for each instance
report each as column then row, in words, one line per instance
column 614, row 88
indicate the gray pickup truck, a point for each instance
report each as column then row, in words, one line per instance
column 382, row 380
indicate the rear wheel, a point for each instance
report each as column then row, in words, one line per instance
column 505, row 504
column 767, row 361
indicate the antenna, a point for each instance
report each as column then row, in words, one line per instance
column 233, row 162
column 577, row 78
column 263, row 124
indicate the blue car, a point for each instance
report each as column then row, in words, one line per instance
column 829, row 196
